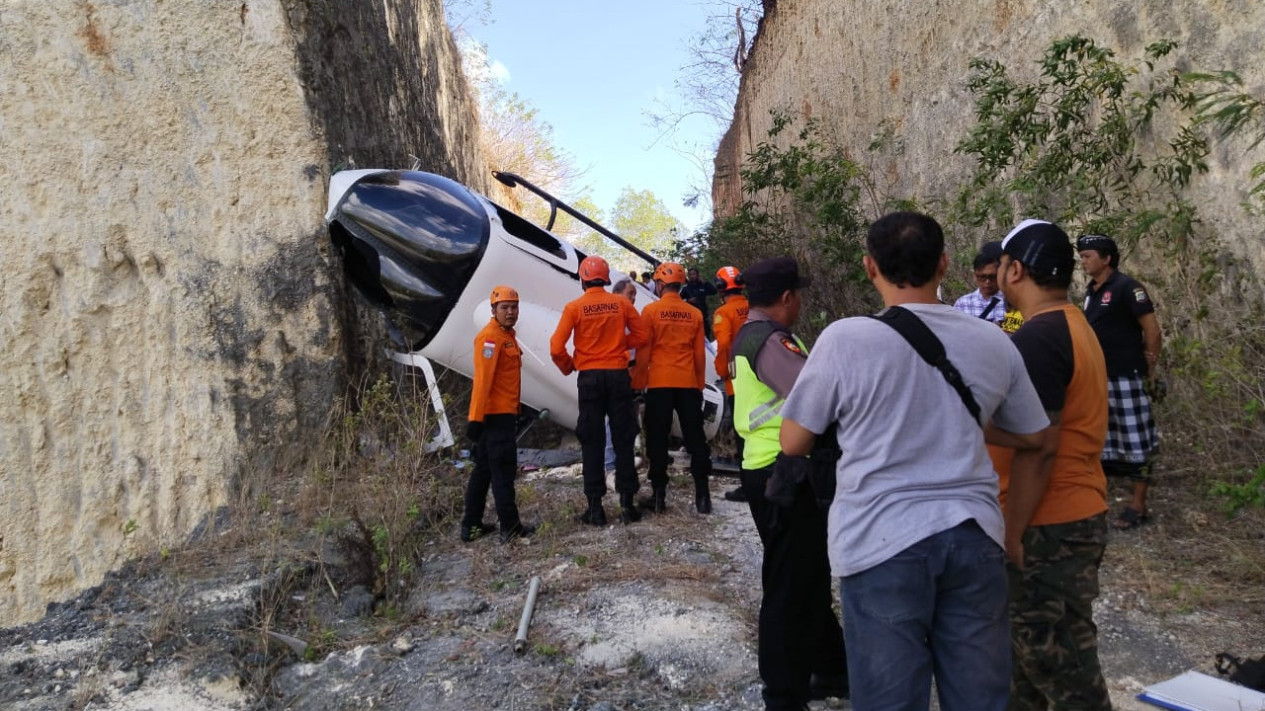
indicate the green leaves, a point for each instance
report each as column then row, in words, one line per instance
column 1067, row 146
column 1221, row 103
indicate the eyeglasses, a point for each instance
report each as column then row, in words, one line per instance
column 986, row 277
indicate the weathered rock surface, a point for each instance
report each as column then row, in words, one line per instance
column 171, row 326
column 855, row 65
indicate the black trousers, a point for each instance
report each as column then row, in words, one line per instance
column 799, row 634
column 687, row 403
column 495, row 460
column 607, row 394
column 727, row 426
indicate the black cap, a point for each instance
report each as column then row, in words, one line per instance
column 774, row 276
column 1097, row 242
column 1040, row 246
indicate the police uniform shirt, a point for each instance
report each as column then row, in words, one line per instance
column 1113, row 310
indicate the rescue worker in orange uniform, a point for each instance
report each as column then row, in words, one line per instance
column 671, row 369
column 602, row 327
column 725, row 324
column 494, row 404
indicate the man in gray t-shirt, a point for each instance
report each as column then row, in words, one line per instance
column 915, row 529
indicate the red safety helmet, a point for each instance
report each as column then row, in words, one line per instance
column 728, row 279
column 503, row 293
column 670, row 273
column 595, row 269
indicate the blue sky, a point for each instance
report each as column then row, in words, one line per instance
column 593, row 69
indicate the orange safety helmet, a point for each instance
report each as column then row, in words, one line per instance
column 670, row 273
column 728, row 279
column 595, row 269
column 503, row 293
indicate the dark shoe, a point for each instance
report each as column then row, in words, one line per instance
column 659, row 503
column 1129, row 519
column 477, row 531
column 703, row 502
column 595, row 515
column 736, row 494
column 828, row 686
column 628, row 512
column 522, row 530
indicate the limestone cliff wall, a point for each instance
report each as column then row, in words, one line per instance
column 854, row 64
column 170, row 323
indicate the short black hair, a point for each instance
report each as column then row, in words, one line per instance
column 983, row 260
column 763, row 299
column 907, row 247
column 593, row 283
column 1111, row 255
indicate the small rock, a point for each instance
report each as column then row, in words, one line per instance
column 602, row 706
column 59, row 673
column 358, row 602
column 402, row 645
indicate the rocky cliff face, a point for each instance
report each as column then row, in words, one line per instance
column 170, row 322
column 855, row 65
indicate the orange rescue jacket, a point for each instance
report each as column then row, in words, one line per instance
column 596, row 323
column 498, row 363
column 674, row 356
column 725, row 324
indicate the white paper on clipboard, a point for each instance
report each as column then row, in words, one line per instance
column 1194, row 691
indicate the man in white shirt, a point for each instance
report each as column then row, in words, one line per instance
column 986, row 302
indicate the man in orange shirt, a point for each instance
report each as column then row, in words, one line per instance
column 603, row 327
column 498, row 363
column 671, row 368
column 1056, row 521
column 725, row 324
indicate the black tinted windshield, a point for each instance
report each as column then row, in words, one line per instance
column 410, row 242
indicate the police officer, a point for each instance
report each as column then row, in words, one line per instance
column 725, row 324
column 494, row 405
column 800, row 644
column 671, row 365
column 603, row 327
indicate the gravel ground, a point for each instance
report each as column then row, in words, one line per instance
column 654, row 615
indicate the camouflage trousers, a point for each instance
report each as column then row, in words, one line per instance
column 1052, row 631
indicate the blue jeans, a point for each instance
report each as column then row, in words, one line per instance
column 939, row 606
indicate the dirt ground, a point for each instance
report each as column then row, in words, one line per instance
column 655, row 615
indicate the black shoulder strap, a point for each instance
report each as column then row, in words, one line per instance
column 913, row 330
column 751, row 338
column 992, row 304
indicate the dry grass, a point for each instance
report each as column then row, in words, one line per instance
column 1192, row 559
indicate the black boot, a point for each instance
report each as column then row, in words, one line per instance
column 702, row 497
column 660, row 502
column 628, row 512
column 522, row 530
column 595, row 515
column 477, row 531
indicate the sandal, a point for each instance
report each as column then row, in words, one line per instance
column 1129, row 519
